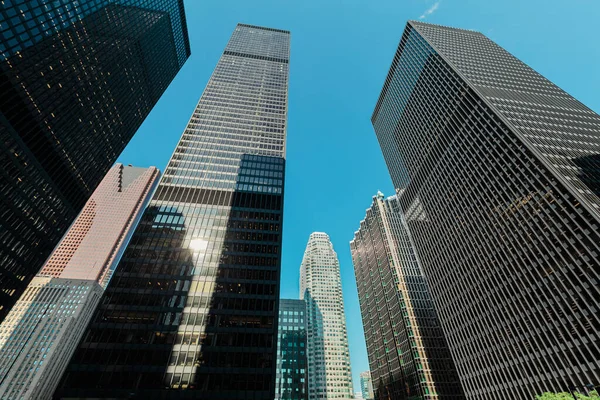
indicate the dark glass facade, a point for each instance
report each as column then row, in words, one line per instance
column 292, row 380
column 77, row 80
column 497, row 173
column 408, row 354
column 192, row 309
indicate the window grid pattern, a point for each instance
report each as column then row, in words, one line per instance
column 95, row 242
column 41, row 332
column 192, row 308
column 563, row 131
column 27, row 22
column 509, row 246
column 291, row 382
column 77, row 80
column 407, row 351
column 329, row 372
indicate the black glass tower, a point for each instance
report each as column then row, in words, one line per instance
column 498, row 171
column 292, row 380
column 408, row 354
column 191, row 311
column 77, row 80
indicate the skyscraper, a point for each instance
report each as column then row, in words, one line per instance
column 42, row 331
column 291, row 382
column 329, row 374
column 408, row 355
column 77, row 80
column 366, row 385
column 497, row 173
column 193, row 305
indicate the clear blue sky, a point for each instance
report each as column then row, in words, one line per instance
column 341, row 52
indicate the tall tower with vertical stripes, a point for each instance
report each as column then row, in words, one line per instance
column 193, row 305
column 497, row 171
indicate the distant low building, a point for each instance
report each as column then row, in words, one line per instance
column 366, row 385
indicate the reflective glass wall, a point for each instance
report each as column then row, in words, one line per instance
column 291, row 382
column 77, row 80
column 192, row 308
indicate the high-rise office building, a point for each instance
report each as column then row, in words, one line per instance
column 329, row 374
column 408, row 355
column 291, row 381
column 192, row 308
column 43, row 329
column 77, row 80
column 366, row 386
column 497, row 173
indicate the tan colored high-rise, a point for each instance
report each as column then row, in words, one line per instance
column 329, row 372
column 41, row 332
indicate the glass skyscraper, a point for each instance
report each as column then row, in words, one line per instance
column 329, row 373
column 77, row 80
column 497, row 171
column 291, row 381
column 43, row 329
column 408, row 355
column 192, row 308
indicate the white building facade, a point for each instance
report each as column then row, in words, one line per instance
column 329, row 373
